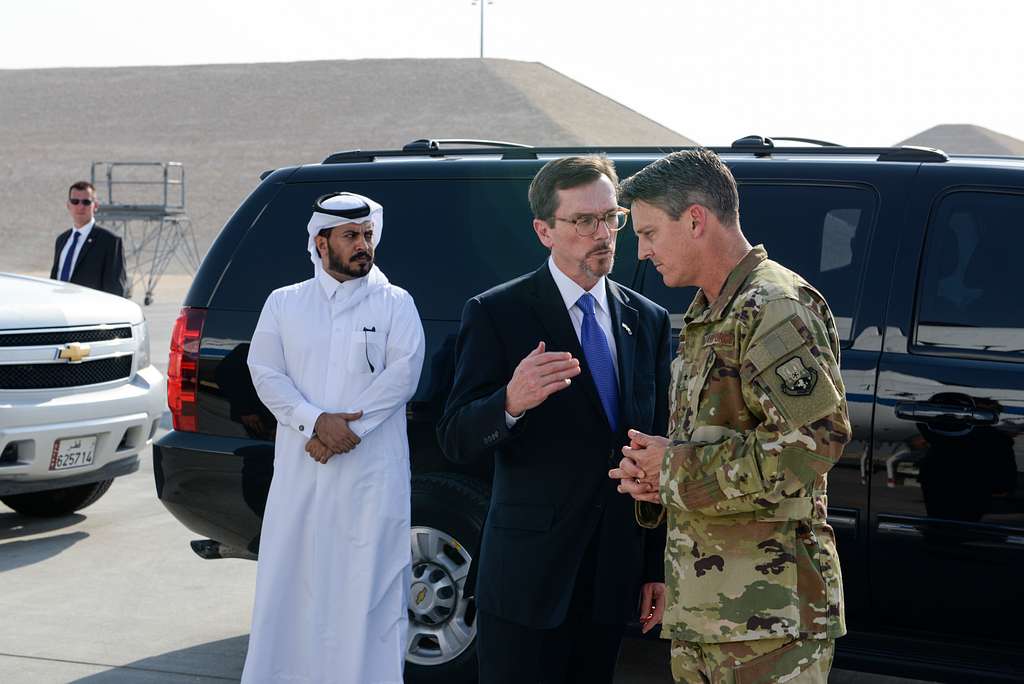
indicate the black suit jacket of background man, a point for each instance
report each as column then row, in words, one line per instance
column 100, row 263
column 551, row 490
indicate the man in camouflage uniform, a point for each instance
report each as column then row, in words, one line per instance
column 758, row 418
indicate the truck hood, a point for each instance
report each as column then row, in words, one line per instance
column 27, row 302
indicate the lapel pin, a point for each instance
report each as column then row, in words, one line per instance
column 626, row 328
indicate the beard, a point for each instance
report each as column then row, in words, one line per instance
column 602, row 263
column 356, row 266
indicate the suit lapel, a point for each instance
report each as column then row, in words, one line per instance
column 625, row 325
column 89, row 242
column 550, row 308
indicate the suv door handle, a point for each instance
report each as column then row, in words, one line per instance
column 927, row 412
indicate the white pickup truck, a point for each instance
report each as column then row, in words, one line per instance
column 79, row 398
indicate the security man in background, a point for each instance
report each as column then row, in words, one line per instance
column 88, row 254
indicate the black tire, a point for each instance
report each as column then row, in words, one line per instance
column 455, row 506
column 54, row 503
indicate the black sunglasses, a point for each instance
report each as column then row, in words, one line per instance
column 76, row 201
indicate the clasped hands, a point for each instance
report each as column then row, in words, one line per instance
column 639, row 471
column 332, row 436
column 639, row 475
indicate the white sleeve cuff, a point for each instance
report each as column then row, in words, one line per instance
column 511, row 420
column 304, row 418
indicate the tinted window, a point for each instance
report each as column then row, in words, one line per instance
column 443, row 241
column 819, row 231
column 968, row 295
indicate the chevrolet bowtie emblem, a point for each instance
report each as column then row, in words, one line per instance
column 420, row 596
column 74, row 352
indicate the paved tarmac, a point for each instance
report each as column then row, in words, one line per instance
column 114, row 595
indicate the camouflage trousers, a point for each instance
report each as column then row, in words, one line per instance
column 764, row 661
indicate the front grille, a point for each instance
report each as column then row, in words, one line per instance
column 50, row 337
column 52, row 375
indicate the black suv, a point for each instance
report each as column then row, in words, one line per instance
column 916, row 252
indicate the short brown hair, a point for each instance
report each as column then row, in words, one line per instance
column 81, row 185
column 683, row 178
column 565, row 173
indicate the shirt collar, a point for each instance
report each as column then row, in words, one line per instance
column 733, row 282
column 329, row 284
column 737, row 277
column 571, row 291
column 84, row 230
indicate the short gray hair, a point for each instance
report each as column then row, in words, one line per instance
column 683, row 178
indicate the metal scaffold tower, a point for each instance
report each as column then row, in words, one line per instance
column 145, row 201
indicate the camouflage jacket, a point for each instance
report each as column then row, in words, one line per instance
column 758, row 418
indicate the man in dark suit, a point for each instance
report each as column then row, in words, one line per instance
column 88, row 254
column 551, row 369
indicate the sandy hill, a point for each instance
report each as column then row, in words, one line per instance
column 227, row 123
column 967, row 139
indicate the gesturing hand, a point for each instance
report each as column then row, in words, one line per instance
column 639, row 471
column 332, row 429
column 539, row 375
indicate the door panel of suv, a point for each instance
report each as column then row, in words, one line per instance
column 946, row 496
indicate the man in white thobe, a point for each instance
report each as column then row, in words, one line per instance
column 336, row 358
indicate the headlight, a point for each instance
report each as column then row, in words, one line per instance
column 141, row 333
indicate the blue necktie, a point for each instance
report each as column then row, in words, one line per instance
column 65, row 270
column 599, row 360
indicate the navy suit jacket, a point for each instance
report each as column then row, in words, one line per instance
column 100, row 263
column 551, row 491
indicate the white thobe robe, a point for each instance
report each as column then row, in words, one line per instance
column 334, row 562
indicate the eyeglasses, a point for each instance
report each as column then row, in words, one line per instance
column 586, row 225
column 76, row 201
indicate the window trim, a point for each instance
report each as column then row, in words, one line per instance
column 913, row 346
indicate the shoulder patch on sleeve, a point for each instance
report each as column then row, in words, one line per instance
column 784, row 365
column 797, row 379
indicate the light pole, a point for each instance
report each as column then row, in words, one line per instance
column 482, row 3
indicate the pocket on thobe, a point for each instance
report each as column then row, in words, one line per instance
column 366, row 351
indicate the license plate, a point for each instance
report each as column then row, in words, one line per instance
column 73, row 452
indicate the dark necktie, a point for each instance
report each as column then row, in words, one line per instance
column 65, row 270
column 599, row 360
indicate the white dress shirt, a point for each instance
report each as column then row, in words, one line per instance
column 571, row 292
column 83, row 235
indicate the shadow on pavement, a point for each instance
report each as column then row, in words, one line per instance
column 18, row 554
column 212, row 662
column 14, row 525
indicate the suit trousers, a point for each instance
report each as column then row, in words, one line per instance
column 578, row 650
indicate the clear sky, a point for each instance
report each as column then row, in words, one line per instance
column 862, row 72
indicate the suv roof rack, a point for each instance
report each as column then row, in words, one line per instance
column 765, row 147
column 430, row 146
column 758, row 141
column 754, row 144
column 425, row 144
